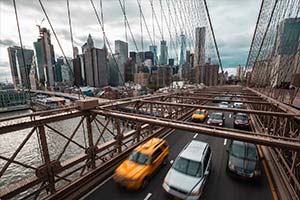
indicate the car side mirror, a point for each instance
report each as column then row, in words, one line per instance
column 206, row 173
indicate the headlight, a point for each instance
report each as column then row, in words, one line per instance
column 166, row 182
column 231, row 165
column 220, row 124
column 196, row 193
column 208, row 122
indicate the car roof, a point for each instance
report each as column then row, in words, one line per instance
column 242, row 114
column 224, row 102
column 194, row 150
column 200, row 110
column 150, row 146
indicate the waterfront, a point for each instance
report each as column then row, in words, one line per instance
column 30, row 153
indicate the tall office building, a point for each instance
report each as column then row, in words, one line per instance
column 182, row 54
column 182, row 49
column 153, row 49
column 121, row 48
column 88, row 45
column 199, row 57
column 95, row 66
column 45, row 58
column 149, row 55
column 163, row 58
column 19, row 70
column 58, row 64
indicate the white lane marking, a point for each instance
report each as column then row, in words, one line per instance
column 98, row 186
column 225, row 141
column 168, row 134
column 230, row 115
column 195, row 135
column 148, row 196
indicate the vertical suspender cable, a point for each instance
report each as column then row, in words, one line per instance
column 22, row 50
column 212, row 30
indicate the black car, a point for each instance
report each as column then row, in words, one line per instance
column 241, row 121
column 216, row 119
column 243, row 160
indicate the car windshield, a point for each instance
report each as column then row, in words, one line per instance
column 238, row 149
column 201, row 112
column 251, row 152
column 244, row 150
column 188, row 167
column 241, row 117
column 216, row 116
column 139, row 157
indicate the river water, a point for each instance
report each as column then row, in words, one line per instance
column 30, row 153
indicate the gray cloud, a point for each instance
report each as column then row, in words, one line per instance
column 7, row 42
column 233, row 22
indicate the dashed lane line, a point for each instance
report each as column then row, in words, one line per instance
column 195, row 135
column 148, row 196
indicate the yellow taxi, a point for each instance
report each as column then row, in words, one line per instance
column 135, row 172
column 200, row 115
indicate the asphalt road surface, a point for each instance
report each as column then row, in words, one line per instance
column 220, row 186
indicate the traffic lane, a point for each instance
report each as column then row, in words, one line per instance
column 222, row 186
column 110, row 190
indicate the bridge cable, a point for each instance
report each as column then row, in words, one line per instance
column 105, row 37
column 212, row 31
column 22, row 50
column 264, row 36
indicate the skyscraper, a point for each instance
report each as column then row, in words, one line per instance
column 19, row 70
column 45, row 58
column 88, row 45
column 121, row 49
column 182, row 49
column 153, row 49
column 95, row 66
column 163, row 59
column 199, row 57
column 182, row 52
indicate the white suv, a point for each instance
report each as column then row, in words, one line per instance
column 189, row 172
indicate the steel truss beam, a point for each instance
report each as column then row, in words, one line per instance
column 258, row 112
column 283, row 143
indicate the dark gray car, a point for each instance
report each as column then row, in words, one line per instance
column 243, row 160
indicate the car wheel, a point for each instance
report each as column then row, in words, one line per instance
column 145, row 182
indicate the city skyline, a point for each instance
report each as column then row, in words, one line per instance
column 30, row 31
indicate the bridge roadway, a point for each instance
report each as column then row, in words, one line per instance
column 220, row 185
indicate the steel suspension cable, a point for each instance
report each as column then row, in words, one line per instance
column 106, row 39
column 22, row 49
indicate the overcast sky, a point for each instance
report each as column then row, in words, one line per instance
column 233, row 22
